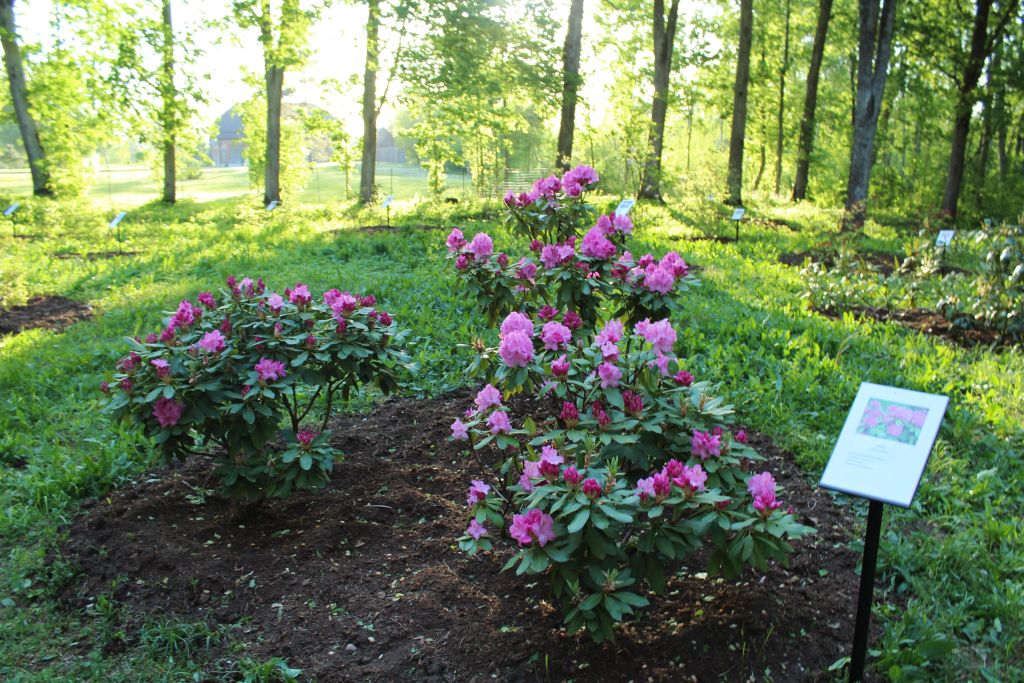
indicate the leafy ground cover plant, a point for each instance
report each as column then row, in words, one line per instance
column 996, row 300
column 632, row 465
column 226, row 374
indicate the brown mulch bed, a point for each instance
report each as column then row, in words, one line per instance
column 393, row 228
column 878, row 261
column 93, row 255
column 363, row 580
column 721, row 239
column 926, row 322
column 47, row 312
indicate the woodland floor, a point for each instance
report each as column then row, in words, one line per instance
column 363, row 581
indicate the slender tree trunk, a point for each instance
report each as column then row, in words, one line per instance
column 272, row 172
column 368, row 171
column 170, row 114
column 982, row 45
column 984, row 146
column 664, row 43
column 874, row 48
column 19, row 100
column 806, row 144
column 782, row 104
column 760, row 165
column 570, row 84
column 739, row 104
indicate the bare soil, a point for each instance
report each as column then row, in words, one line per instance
column 93, row 255
column 47, row 312
column 927, row 322
column 363, row 581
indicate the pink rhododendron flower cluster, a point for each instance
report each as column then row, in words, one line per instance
column 476, row 530
column 596, row 245
column 609, row 374
column 661, row 334
column 532, row 526
column 167, row 411
column 300, row 296
column 477, row 493
column 206, row 299
column 554, row 255
column 762, row 488
column 592, row 489
column 579, row 179
column 306, row 436
column 269, row 369
column 487, row 397
column 614, row 224
column 555, row 335
column 460, row 432
column 659, row 486
column 481, row 246
column 499, row 422
column 521, row 200
column 185, row 315
column 455, row 241
column 548, row 187
column 705, row 445
column 516, row 348
column 162, row 367
column 212, row 341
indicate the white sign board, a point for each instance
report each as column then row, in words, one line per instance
column 387, row 200
column 884, row 446
column 738, row 214
column 12, row 208
column 117, row 219
column 272, row 205
column 624, row 207
column 944, row 238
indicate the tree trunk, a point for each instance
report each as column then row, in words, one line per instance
column 170, row 114
column 664, row 42
column 739, row 104
column 873, row 51
column 272, row 172
column 368, row 171
column 982, row 45
column 19, row 100
column 782, row 105
column 806, row 144
column 570, row 84
column 984, row 146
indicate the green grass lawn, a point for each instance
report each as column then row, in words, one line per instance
column 125, row 187
column 953, row 564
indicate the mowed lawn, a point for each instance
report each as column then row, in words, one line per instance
column 952, row 565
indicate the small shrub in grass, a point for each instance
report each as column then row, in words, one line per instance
column 225, row 375
column 630, row 464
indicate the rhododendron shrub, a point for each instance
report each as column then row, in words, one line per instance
column 224, row 376
column 578, row 260
column 632, row 465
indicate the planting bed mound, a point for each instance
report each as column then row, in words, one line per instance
column 363, row 580
column 878, row 261
column 47, row 312
column 93, row 255
column 371, row 229
column 926, row 322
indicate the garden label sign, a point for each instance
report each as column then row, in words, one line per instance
column 9, row 212
column 272, row 205
column 388, row 200
column 945, row 238
column 736, row 217
column 880, row 455
column 624, row 207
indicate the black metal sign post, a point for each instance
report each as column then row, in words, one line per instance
column 867, row 589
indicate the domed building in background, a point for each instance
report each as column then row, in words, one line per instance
column 226, row 148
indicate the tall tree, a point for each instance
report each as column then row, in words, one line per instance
column 664, row 43
column 570, row 84
column 19, row 100
column 874, row 47
column 806, row 143
column 283, row 35
column 739, row 104
column 983, row 42
column 783, row 71
column 368, row 169
column 168, row 94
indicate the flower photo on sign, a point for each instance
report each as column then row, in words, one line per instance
column 893, row 421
